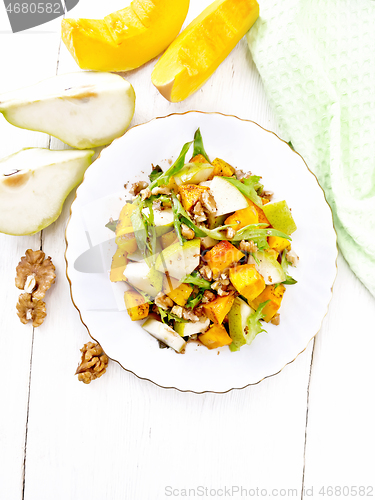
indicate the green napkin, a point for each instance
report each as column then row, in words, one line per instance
column 317, row 62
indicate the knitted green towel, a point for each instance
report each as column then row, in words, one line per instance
column 317, row 62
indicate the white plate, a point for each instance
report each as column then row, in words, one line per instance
column 247, row 146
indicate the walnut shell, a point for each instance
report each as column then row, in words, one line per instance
column 94, row 363
column 31, row 309
column 37, row 272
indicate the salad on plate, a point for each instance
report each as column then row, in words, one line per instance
column 205, row 252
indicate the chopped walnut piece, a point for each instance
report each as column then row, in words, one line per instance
column 276, row 319
column 231, row 233
column 160, row 190
column 35, row 273
column 267, row 194
column 137, row 187
column 208, row 297
column 208, row 201
column 163, row 301
column 292, row 257
column 187, row 232
column 240, row 174
column 177, row 311
column 31, row 309
column 94, row 363
column 198, row 212
column 248, row 246
column 145, row 193
column 220, row 286
column 189, row 315
column 206, row 273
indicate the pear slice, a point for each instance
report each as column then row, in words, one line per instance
column 237, row 319
column 164, row 333
column 163, row 220
column 227, row 197
column 84, row 109
column 280, row 217
column 34, row 184
column 190, row 328
column 193, row 173
column 147, row 279
column 267, row 265
column 179, row 260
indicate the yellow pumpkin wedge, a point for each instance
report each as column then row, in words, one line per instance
column 196, row 53
column 127, row 38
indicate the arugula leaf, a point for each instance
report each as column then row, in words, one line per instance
column 112, row 225
column 248, row 187
column 289, row 281
column 173, row 170
column 195, row 279
column 198, row 145
column 253, row 323
column 140, row 229
column 256, row 230
column 200, row 233
column 155, row 173
column 166, row 316
column 291, row 145
column 193, row 301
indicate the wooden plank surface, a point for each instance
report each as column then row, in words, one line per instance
column 124, row 438
column 38, row 56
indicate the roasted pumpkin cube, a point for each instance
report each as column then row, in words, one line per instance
column 190, row 194
column 215, row 337
column 199, row 159
column 177, row 291
column 222, row 256
column 275, row 295
column 119, row 262
column 223, row 168
column 124, row 224
column 243, row 218
column 217, row 309
column 136, row 305
column 278, row 244
column 168, row 239
column 247, row 281
column 127, row 242
column 261, row 215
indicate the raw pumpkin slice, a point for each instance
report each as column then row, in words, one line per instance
column 196, row 53
column 125, row 39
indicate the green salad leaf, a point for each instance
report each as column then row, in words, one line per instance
column 248, row 187
column 254, row 324
column 198, row 145
column 193, row 301
column 167, row 317
column 112, row 225
column 195, row 279
column 140, row 228
column 155, row 173
column 173, row 170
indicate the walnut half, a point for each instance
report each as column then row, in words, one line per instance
column 35, row 274
column 30, row 308
column 94, row 363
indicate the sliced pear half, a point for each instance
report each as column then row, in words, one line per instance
column 34, row 184
column 84, row 109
